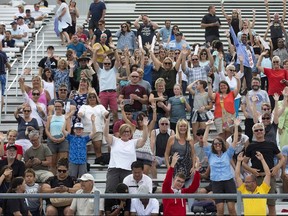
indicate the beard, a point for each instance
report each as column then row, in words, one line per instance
column 255, row 87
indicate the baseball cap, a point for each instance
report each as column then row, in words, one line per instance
column 12, row 23
column 143, row 189
column 11, row 146
column 86, row 177
column 122, row 188
column 178, row 33
column 78, row 125
column 19, row 17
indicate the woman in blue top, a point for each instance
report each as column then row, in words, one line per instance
column 219, row 156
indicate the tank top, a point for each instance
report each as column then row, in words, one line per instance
column 161, row 142
column 49, row 86
column 146, row 148
column 56, row 125
column 177, row 147
column 42, row 98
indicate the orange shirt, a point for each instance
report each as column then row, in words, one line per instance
column 228, row 104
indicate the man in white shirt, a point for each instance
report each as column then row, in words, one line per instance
column 137, row 178
column 85, row 206
column 23, row 27
column 144, row 206
column 37, row 14
column 17, row 33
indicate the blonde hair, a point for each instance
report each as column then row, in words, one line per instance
column 123, row 127
column 188, row 132
column 158, row 81
column 258, row 125
column 62, row 60
column 37, row 77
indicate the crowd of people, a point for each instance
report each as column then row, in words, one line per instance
column 170, row 92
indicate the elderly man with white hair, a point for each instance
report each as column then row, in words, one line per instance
column 85, row 206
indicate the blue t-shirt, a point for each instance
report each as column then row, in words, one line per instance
column 96, row 10
column 178, row 109
column 77, row 149
column 79, row 48
column 148, row 73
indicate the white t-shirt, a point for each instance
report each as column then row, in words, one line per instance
column 34, row 113
column 17, row 32
column 122, row 154
column 24, row 28
column 133, row 185
column 66, row 17
column 107, row 79
column 99, row 111
column 138, row 207
column 49, row 86
column 240, row 145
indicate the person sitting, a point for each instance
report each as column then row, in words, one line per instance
column 38, row 157
column 37, row 14
column 17, row 166
column 62, row 182
column 175, row 206
column 144, row 206
column 8, row 41
column 137, row 178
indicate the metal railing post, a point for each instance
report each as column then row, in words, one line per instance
column 96, row 202
column 239, row 203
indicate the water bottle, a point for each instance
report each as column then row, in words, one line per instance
column 5, row 44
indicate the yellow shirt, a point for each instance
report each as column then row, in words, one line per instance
column 255, row 206
column 103, row 49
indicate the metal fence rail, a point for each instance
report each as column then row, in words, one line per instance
column 96, row 196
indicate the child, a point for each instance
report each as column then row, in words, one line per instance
column 34, row 204
column 77, row 148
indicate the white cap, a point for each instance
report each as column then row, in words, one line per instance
column 86, row 177
column 78, row 125
column 143, row 189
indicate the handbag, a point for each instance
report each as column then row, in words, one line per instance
column 227, row 118
column 61, row 202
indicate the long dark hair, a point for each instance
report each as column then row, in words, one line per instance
column 14, row 184
column 44, row 77
column 224, row 149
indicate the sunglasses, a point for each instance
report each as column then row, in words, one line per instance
column 195, row 59
column 268, row 118
column 203, row 53
column 36, row 94
column 232, row 70
column 177, row 53
column 167, row 63
column 199, row 134
column 217, row 143
column 26, row 111
column 266, row 109
column 123, row 26
column 164, row 124
column 257, row 130
column 104, row 37
column 107, row 63
column 62, row 171
column 275, row 62
column 62, row 89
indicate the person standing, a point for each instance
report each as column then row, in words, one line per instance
column 269, row 151
column 3, row 65
column 177, row 206
column 211, row 23
column 64, row 20
column 249, row 186
column 97, row 11
column 164, row 32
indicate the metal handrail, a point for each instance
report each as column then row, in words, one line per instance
column 96, row 196
column 37, row 47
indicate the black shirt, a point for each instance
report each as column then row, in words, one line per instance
column 113, row 204
column 267, row 149
column 50, row 64
column 98, row 33
column 14, row 205
column 147, row 32
column 214, row 30
column 18, row 167
column 169, row 76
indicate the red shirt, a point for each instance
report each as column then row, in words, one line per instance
column 19, row 150
column 228, row 104
column 274, row 78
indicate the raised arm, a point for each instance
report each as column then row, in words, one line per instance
column 223, row 12
column 136, row 22
column 117, row 63
column 183, row 56
column 94, row 59
column 240, row 158
column 156, row 62
column 210, row 57
column 190, row 87
column 142, row 140
column 258, row 65
column 267, row 11
column 108, row 137
column 207, row 129
column 284, row 11
column 265, row 167
column 253, row 18
column 276, row 109
column 154, row 118
column 210, row 91
column 237, row 122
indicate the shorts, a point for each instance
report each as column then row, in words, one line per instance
column 93, row 24
column 58, row 147
column 227, row 186
column 66, row 29
column 97, row 136
column 3, row 83
column 200, row 117
column 272, row 190
column 208, row 188
column 109, row 98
